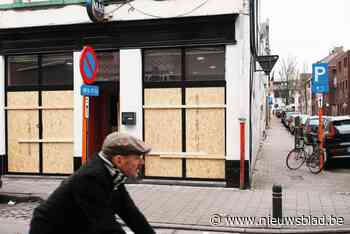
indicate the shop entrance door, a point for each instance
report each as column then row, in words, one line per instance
column 103, row 116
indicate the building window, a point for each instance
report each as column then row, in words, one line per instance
column 40, row 72
column 200, row 64
column 205, row 63
column 162, row 65
column 108, row 66
column 23, row 70
column 345, row 62
column 57, row 69
column 339, row 66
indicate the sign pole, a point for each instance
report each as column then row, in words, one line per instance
column 320, row 86
column 89, row 66
column 85, row 130
column 320, row 130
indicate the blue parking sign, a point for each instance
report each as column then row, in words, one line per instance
column 319, row 82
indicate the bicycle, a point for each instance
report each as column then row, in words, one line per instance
column 298, row 156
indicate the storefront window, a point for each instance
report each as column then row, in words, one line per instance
column 206, row 63
column 23, row 70
column 47, row 71
column 108, row 66
column 57, row 69
column 162, row 65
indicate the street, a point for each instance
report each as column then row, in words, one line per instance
column 185, row 209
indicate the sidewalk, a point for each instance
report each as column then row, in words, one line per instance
column 193, row 207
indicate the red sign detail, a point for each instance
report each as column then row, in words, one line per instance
column 88, row 79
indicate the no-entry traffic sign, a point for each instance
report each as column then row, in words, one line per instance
column 88, row 65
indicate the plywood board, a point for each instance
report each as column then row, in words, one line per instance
column 57, row 124
column 156, row 166
column 58, row 158
column 205, row 96
column 158, row 97
column 163, row 130
column 203, row 168
column 23, row 157
column 22, row 99
column 57, row 98
column 205, row 131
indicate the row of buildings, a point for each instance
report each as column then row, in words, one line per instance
column 185, row 71
column 298, row 89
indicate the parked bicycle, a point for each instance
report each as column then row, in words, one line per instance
column 298, row 156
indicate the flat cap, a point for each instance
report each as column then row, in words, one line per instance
column 117, row 143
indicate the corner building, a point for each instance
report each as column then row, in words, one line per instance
column 177, row 74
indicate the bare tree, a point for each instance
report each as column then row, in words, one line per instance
column 288, row 72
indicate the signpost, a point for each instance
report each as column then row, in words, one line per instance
column 88, row 65
column 320, row 86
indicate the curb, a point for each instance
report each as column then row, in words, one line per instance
column 247, row 229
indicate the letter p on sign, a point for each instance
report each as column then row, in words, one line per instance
column 319, row 71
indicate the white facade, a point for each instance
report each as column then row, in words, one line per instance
column 137, row 10
column 238, row 68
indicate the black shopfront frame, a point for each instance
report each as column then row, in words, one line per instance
column 155, row 33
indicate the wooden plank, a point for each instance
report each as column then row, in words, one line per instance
column 205, row 131
column 205, row 168
column 22, row 99
column 22, row 123
column 57, row 124
column 163, row 130
column 205, row 96
column 163, row 127
column 156, row 166
column 194, row 155
column 161, row 97
column 187, row 107
column 58, row 158
column 39, row 107
column 45, row 140
column 58, row 98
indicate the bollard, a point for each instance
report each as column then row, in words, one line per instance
column 277, row 201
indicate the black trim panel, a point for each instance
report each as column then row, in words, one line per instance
column 2, row 164
column 181, row 178
column 76, row 163
column 232, row 170
column 186, row 31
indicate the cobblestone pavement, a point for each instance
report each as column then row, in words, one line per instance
column 21, row 211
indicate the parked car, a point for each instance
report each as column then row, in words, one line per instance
column 310, row 129
column 337, row 140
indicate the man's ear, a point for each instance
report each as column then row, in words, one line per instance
column 117, row 160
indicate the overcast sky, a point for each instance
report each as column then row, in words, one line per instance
column 307, row 29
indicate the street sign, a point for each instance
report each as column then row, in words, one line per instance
column 95, row 10
column 319, row 82
column 270, row 100
column 90, row 90
column 267, row 62
column 88, row 65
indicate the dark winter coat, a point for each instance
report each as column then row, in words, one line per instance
column 85, row 203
